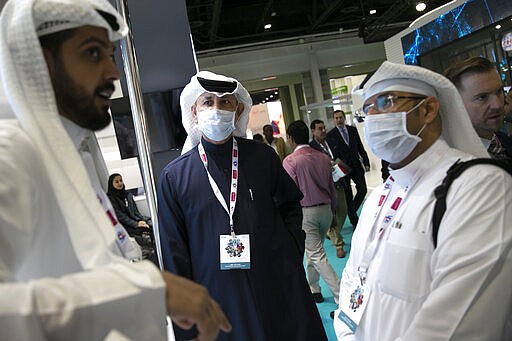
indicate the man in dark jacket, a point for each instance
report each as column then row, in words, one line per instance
column 230, row 218
column 320, row 143
column 347, row 146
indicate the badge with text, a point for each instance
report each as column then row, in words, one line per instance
column 353, row 304
column 235, row 252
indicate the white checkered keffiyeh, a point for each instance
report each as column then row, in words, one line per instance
column 26, row 93
column 457, row 128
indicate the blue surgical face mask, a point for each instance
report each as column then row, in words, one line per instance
column 387, row 135
column 216, row 124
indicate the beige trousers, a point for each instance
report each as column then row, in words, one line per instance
column 316, row 222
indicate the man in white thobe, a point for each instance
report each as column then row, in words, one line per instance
column 64, row 262
column 397, row 285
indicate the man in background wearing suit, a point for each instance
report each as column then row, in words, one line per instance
column 319, row 143
column 481, row 89
column 346, row 145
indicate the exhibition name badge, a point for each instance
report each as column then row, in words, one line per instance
column 353, row 304
column 235, row 250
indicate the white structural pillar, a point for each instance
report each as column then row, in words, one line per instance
column 317, row 87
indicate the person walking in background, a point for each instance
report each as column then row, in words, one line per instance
column 230, row 219
column 275, row 142
column 311, row 171
column 65, row 268
column 319, row 143
column 402, row 281
column 347, row 146
column 481, row 89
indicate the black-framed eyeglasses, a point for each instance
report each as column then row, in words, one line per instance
column 384, row 103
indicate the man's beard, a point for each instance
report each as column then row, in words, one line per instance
column 77, row 105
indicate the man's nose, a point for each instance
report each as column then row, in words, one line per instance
column 497, row 102
column 111, row 71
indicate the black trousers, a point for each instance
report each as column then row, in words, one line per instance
column 354, row 202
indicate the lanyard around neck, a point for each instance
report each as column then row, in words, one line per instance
column 234, row 182
column 371, row 250
column 326, row 148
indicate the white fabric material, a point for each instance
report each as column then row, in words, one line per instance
column 189, row 96
column 457, row 128
column 52, row 16
column 460, row 290
column 388, row 137
column 216, row 124
column 81, row 139
column 60, row 267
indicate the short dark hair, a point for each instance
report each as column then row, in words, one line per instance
column 299, row 131
column 337, row 111
column 314, row 123
column 257, row 137
column 53, row 42
column 469, row 65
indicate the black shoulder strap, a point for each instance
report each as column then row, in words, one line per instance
column 453, row 172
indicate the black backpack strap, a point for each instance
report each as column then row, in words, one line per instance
column 441, row 191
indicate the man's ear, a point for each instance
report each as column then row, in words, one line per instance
column 194, row 113
column 432, row 109
column 239, row 110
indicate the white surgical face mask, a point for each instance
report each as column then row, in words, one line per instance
column 216, row 124
column 387, row 135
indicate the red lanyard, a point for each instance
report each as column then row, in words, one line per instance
column 234, row 182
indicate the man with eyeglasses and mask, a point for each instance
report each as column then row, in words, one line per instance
column 396, row 284
column 230, row 219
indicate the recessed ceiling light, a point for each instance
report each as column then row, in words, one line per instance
column 267, row 26
column 420, row 6
column 497, row 26
column 373, row 11
column 275, row 92
column 273, row 14
column 271, row 96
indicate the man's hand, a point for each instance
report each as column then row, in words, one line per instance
column 189, row 303
column 142, row 224
column 367, row 168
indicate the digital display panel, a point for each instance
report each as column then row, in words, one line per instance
column 455, row 24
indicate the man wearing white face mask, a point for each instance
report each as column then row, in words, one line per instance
column 397, row 285
column 230, row 219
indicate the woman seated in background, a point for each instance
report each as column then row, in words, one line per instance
column 137, row 225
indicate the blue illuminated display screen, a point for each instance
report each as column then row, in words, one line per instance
column 457, row 23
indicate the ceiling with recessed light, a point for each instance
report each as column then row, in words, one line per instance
column 226, row 23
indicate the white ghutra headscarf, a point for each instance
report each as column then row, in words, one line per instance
column 26, row 93
column 194, row 89
column 457, row 129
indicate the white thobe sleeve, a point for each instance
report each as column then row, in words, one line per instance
column 44, row 292
column 342, row 331
column 127, row 298
column 471, row 267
